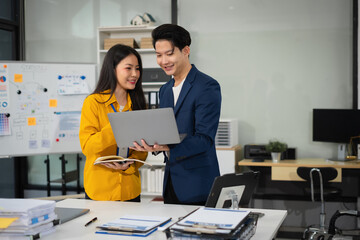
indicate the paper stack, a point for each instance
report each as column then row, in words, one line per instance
column 26, row 218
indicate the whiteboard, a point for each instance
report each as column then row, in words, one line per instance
column 40, row 106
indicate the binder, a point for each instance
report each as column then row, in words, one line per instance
column 67, row 214
column 153, row 100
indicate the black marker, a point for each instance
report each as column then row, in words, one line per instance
column 91, row 221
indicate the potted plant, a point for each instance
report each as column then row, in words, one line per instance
column 276, row 147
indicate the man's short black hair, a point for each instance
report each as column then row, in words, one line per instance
column 177, row 35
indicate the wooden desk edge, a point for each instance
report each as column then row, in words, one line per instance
column 305, row 162
column 236, row 147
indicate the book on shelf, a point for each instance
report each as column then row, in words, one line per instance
column 119, row 159
column 152, row 179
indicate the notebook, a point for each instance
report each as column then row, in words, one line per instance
column 152, row 125
column 67, row 214
column 133, row 225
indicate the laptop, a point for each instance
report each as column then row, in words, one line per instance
column 67, row 214
column 242, row 185
column 152, row 125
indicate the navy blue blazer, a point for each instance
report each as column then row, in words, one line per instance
column 193, row 163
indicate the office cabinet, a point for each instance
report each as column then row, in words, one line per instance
column 228, row 158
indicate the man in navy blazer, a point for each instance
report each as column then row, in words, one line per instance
column 192, row 165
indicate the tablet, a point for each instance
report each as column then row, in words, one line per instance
column 152, row 125
column 67, row 214
column 242, row 185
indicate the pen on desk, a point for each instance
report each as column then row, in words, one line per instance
column 91, row 221
column 180, row 218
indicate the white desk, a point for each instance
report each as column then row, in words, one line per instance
column 267, row 226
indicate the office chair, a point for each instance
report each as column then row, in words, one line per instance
column 325, row 174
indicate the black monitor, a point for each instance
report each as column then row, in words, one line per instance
column 335, row 125
column 242, row 184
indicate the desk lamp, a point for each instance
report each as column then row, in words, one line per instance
column 351, row 149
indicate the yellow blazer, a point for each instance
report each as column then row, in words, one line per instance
column 96, row 140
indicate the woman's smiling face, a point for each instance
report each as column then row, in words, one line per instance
column 128, row 72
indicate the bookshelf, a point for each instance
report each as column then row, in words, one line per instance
column 148, row 55
column 126, row 32
column 152, row 177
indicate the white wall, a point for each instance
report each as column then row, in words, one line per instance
column 275, row 60
column 65, row 30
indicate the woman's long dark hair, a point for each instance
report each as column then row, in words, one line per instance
column 108, row 79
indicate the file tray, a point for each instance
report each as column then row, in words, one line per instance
column 244, row 231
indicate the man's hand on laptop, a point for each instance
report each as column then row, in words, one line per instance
column 147, row 148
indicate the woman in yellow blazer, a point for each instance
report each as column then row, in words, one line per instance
column 119, row 89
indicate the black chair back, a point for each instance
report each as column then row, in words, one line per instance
column 328, row 174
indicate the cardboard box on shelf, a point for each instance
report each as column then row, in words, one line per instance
column 109, row 42
column 146, row 43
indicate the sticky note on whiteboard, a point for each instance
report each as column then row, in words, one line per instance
column 31, row 121
column 18, row 78
column 53, row 103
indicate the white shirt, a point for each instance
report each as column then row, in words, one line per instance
column 177, row 90
column 176, row 93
